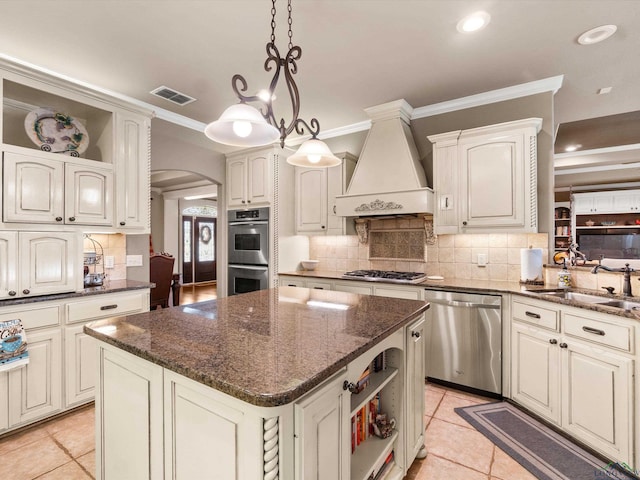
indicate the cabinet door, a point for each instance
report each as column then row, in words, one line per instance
column 598, row 399
column 594, row 203
column 415, row 391
column 4, row 401
column 499, row 163
column 129, row 398
column 35, row 390
column 259, row 179
column 535, row 364
column 132, row 165
column 624, row 202
column 8, row 264
column 311, row 200
column 33, row 189
column 322, row 434
column 49, row 262
column 80, row 366
column 88, row 195
column 237, row 182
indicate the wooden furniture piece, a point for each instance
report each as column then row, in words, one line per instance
column 160, row 273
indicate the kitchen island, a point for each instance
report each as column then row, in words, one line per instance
column 269, row 384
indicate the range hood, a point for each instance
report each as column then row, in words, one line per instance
column 389, row 178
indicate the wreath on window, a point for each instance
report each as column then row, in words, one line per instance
column 205, row 234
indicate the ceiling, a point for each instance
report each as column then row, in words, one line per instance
column 356, row 53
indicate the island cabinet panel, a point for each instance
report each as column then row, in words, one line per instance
column 129, row 428
column 415, row 341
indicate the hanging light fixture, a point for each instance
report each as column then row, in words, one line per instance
column 243, row 125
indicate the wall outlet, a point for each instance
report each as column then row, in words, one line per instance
column 482, row 260
column 134, row 260
column 109, row 261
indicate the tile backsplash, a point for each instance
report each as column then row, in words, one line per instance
column 114, row 245
column 452, row 256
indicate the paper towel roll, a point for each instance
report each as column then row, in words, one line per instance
column 530, row 264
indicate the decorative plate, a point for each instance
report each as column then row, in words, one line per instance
column 56, row 132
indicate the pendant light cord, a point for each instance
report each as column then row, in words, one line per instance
column 289, row 21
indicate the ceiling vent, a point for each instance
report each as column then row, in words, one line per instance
column 172, row 95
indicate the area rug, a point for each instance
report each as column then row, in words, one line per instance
column 543, row 452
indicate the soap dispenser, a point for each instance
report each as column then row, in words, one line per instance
column 564, row 276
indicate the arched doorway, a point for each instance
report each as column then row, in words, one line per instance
column 199, row 233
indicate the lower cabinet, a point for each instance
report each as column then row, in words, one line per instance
column 415, row 374
column 80, row 371
column 578, row 373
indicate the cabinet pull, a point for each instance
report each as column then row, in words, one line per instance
column 248, row 201
column 415, row 334
column 319, row 288
column 322, row 226
column 352, row 387
column 12, row 293
column 243, row 201
column 291, row 285
column 532, row 315
column 464, row 223
column 58, row 219
column 334, row 209
column 122, row 224
column 563, row 345
column 553, row 341
column 595, row 331
column 109, row 307
column 72, row 219
column 26, row 291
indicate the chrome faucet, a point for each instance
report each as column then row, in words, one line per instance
column 626, row 287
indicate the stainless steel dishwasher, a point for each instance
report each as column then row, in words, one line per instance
column 465, row 340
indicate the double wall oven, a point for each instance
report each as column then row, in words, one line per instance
column 248, row 250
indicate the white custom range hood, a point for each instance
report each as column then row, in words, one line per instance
column 389, row 178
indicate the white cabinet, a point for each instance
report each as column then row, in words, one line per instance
column 323, row 433
column 316, row 190
column 415, row 377
column 503, row 156
column 626, row 201
column 593, row 203
column 250, row 178
column 132, row 167
column 575, row 368
column 44, row 190
column 39, row 263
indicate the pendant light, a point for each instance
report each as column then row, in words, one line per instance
column 243, row 125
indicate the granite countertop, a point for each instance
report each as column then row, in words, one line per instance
column 266, row 348
column 496, row 286
column 110, row 286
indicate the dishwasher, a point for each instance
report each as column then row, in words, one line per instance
column 465, row 340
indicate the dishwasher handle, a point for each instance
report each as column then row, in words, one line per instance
column 458, row 303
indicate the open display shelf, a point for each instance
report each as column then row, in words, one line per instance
column 370, row 455
column 377, row 381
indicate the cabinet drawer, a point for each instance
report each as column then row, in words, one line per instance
column 102, row 306
column 34, row 317
column 596, row 331
column 536, row 315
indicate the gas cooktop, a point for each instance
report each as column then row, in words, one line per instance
column 381, row 275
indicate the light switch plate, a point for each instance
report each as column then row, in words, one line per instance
column 134, row 260
column 109, row 261
column 482, row 259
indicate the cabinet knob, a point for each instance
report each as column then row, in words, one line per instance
column 415, row 334
column 26, row 291
column 58, row 219
column 248, row 201
column 553, row 341
column 464, row 223
column 322, row 226
column 352, row 387
column 563, row 345
column 12, row 293
column 72, row 219
column 122, row 224
column 243, row 201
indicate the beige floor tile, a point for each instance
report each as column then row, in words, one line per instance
column 506, row 468
column 84, row 417
column 459, row 444
column 436, row 468
column 35, row 459
column 476, row 399
column 446, row 409
column 77, row 439
column 432, row 399
column 69, row 471
column 88, row 461
column 20, row 440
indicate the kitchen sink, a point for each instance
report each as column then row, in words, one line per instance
column 589, row 298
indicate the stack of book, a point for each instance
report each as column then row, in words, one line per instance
column 362, row 422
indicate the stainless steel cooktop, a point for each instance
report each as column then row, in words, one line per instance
column 382, row 275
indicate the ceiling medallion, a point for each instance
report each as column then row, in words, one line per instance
column 246, row 126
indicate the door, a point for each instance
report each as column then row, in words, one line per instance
column 88, row 195
column 198, row 249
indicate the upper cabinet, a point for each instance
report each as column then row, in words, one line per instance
column 620, row 201
column 250, row 178
column 71, row 155
column 316, row 190
column 485, row 178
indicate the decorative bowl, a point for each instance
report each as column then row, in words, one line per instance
column 607, row 224
column 309, row 264
column 12, row 343
column 589, row 223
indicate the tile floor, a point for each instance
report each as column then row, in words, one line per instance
column 64, row 448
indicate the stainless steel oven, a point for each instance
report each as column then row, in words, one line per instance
column 247, row 278
column 248, row 250
column 249, row 236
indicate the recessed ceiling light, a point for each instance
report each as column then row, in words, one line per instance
column 474, row 22
column 604, row 90
column 597, row 34
column 572, row 148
